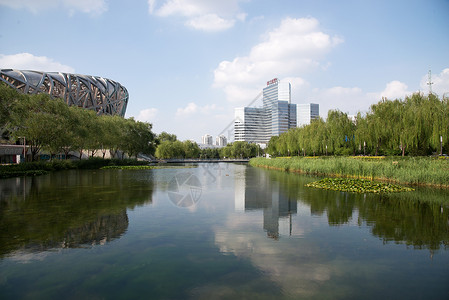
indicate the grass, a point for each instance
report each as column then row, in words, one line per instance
column 43, row 167
column 409, row 170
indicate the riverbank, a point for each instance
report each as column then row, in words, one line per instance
column 428, row 171
column 43, row 167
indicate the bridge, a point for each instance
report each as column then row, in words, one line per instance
column 198, row 160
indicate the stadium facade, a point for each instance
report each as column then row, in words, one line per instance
column 102, row 95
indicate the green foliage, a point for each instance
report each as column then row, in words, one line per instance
column 177, row 149
column 240, row 149
column 412, row 126
column 408, row 170
column 164, row 136
column 357, row 185
column 42, row 167
column 188, row 149
column 51, row 125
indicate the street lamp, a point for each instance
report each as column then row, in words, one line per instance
column 441, row 145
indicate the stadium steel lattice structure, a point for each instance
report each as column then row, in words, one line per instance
column 100, row 94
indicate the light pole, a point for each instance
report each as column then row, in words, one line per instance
column 441, row 145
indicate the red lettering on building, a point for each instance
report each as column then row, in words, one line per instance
column 274, row 80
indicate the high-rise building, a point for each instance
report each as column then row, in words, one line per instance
column 277, row 115
column 207, row 139
column 307, row 113
column 221, row 141
column 249, row 124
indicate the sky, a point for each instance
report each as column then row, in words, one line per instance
column 187, row 64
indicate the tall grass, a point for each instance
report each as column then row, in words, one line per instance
column 408, row 170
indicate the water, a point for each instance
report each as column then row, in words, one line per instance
column 216, row 231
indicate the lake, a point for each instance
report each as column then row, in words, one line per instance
column 217, row 231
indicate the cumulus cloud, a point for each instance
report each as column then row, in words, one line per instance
column 297, row 45
column 147, row 115
column 211, row 15
column 93, row 7
column 27, row 61
column 395, row 90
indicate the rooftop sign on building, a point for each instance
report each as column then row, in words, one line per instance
column 274, row 80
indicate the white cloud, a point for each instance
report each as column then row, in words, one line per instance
column 193, row 108
column 210, row 22
column 210, row 15
column 27, row 61
column 296, row 46
column 395, row 90
column 93, row 7
column 440, row 84
column 147, row 115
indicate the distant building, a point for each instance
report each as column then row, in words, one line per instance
column 207, row 139
column 278, row 115
column 249, row 125
column 307, row 113
column 221, row 141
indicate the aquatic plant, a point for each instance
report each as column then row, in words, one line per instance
column 358, row 185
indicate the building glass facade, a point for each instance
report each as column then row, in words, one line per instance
column 276, row 116
column 307, row 113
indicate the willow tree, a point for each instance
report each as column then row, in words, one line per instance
column 341, row 132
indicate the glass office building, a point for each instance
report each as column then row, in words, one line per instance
column 276, row 116
column 249, row 124
column 307, row 113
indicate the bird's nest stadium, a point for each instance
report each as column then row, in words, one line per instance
column 102, row 95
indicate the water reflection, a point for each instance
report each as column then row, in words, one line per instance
column 324, row 244
column 419, row 219
column 255, row 191
column 68, row 209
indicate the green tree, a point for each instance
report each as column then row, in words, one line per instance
column 164, row 136
column 191, row 149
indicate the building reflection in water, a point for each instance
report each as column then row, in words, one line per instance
column 255, row 191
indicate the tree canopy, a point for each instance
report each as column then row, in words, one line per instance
column 51, row 125
column 417, row 125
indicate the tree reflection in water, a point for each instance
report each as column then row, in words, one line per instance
column 68, row 209
column 419, row 219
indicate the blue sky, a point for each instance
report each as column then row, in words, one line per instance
column 188, row 63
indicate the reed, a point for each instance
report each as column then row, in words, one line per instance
column 409, row 170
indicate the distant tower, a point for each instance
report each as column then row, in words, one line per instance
column 429, row 83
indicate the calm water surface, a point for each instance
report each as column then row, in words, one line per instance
column 216, row 231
